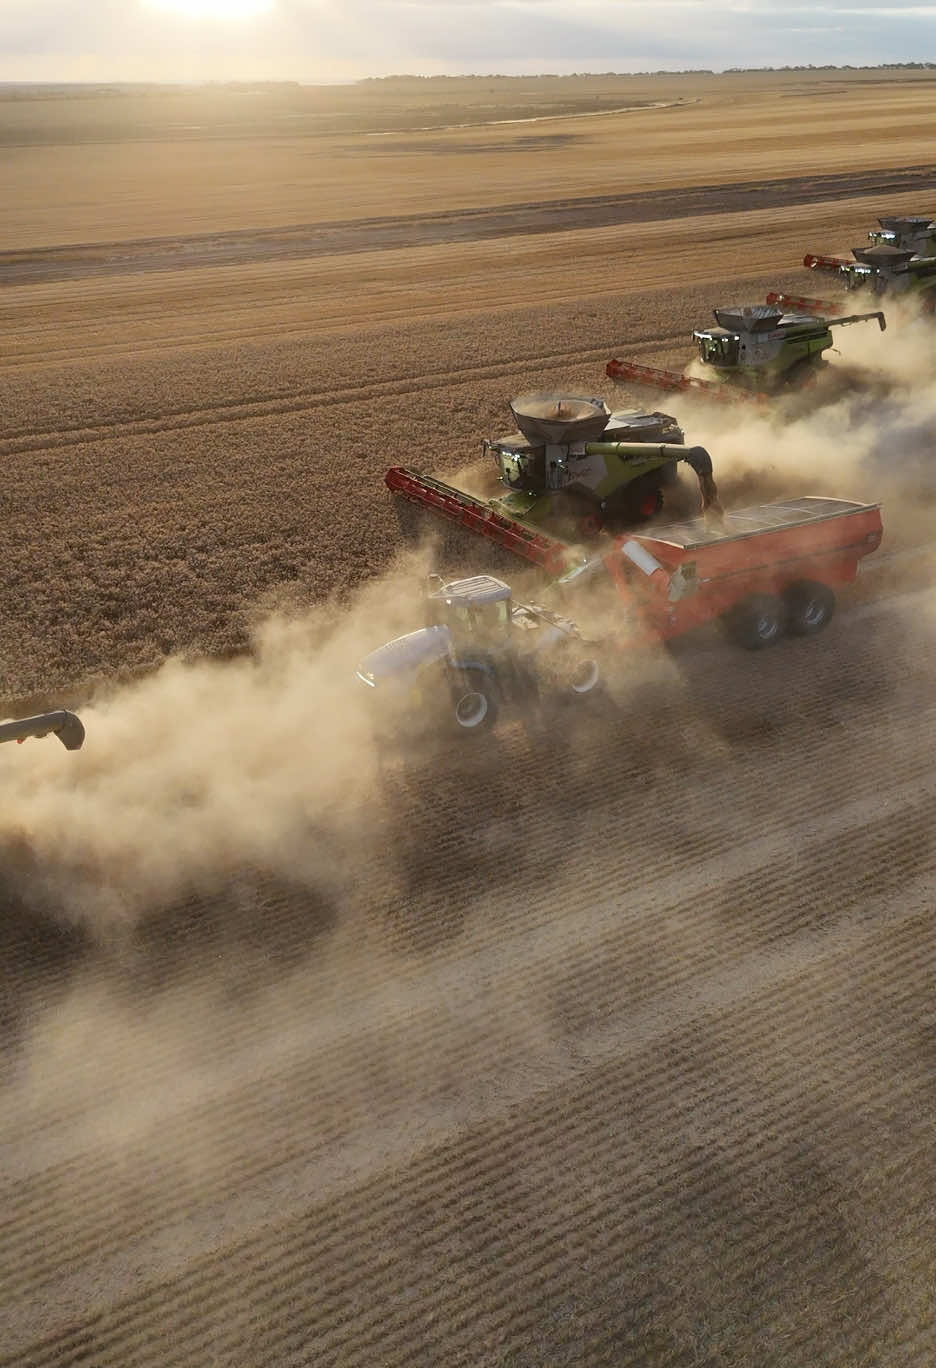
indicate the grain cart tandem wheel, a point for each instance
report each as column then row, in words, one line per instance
column 809, row 606
column 757, row 621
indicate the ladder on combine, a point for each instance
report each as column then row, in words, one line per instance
column 445, row 501
column 682, row 384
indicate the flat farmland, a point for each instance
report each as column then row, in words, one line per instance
column 609, row 1042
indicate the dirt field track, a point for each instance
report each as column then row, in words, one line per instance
column 609, row 1043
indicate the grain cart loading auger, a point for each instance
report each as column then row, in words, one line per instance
column 755, row 351
column 571, row 472
column 65, row 725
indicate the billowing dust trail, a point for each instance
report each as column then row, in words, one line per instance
column 607, row 1041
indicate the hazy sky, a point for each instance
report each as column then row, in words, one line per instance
column 49, row 40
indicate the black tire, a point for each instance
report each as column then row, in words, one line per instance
column 757, row 622
column 474, row 703
column 634, row 503
column 584, row 677
column 809, row 606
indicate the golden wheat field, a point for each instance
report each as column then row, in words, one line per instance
column 610, row 1041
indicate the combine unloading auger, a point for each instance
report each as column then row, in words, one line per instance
column 65, row 725
column 821, row 308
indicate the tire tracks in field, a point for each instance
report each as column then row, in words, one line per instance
column 266, row 406
column 444, row 228
column 699, row 967
column 320, row 1258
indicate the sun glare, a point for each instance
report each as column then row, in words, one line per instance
column 220, row 10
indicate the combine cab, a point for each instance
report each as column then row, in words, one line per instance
column 882, row 270
column 753, row 353
column 65, row 725
column 572, row 471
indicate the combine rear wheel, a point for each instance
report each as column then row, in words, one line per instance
column 809, row 606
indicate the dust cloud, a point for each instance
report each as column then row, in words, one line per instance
column 207, row 766
column 864, row 431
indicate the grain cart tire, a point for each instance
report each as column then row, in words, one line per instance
column 757, row 621
column 809, row 606
column 474, row 706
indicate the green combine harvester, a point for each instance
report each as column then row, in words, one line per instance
column 754, row 352
column 570, row 472
column 881, row 270
column 914, row 234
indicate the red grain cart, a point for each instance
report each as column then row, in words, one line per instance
column 766, row 570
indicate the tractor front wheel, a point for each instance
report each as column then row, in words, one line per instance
column 757, row 621
column 475, row 706
column 584, row 676
column 809, row 606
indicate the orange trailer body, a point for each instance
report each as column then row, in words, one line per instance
column 682, row 576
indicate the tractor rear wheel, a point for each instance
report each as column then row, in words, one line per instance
column 809, row 606
column 757, row 621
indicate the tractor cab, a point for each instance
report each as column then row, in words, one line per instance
column 476, row 612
